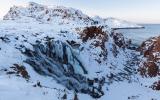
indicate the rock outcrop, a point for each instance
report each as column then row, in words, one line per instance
column 149, row 66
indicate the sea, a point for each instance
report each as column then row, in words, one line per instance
column 139, row 35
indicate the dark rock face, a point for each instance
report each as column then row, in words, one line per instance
column 150, row 50
column 56, row 59
column 99, row 37
column 156, row 85
column 119, row 40
column 93, row 32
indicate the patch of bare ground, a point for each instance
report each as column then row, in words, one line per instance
column 18, row 70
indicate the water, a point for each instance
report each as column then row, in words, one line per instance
column 139, row 35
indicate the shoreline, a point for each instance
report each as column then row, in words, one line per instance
column 129, row 28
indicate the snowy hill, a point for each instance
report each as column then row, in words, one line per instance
column 118, row 23
column 44, row 14
column 60, row 53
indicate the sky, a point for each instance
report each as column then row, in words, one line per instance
column 138, row 11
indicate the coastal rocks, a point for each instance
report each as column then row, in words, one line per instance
column 151, row 51
column 149, row 67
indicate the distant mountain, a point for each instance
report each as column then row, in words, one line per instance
column 118, row 23
column 57, row 14
column 62, row 14
column 59, row 53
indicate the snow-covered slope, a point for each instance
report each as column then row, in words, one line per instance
column 118, row 23
column 60, row 53
column 44, row 14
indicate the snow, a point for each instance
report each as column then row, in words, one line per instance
column 118, row 23
column 125, row 91
column 28, row 29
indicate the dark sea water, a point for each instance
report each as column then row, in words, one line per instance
column 139, row 35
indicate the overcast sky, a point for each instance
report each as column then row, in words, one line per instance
column 139, row 11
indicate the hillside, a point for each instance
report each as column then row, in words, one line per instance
column 59, row 53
